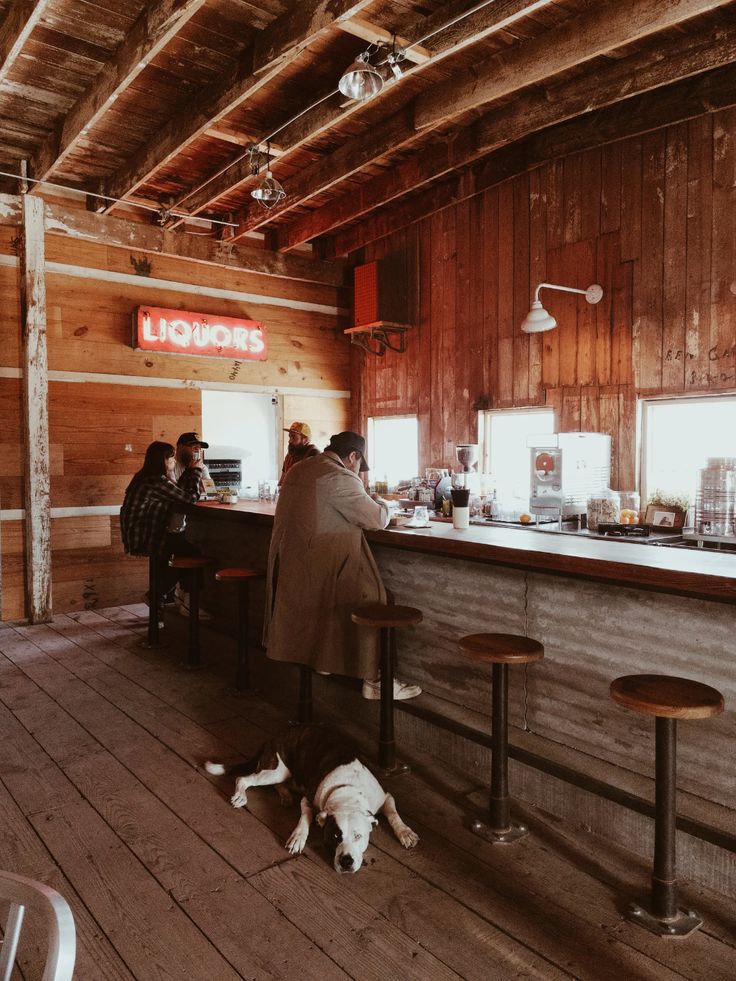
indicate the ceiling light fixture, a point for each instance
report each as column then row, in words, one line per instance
column 394, row 58
column 538, row 320
column 361, row 81
column 269, row 192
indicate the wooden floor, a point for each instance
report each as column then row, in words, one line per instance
column 102, row 797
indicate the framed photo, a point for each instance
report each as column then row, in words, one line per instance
column 663, row 518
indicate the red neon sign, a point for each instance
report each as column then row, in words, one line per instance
column 181, row 332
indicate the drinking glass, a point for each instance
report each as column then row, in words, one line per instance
column 421, row 515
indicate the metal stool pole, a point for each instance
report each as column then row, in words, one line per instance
column 386, row 743
column 192, row 659
column 242, row 679
column 153, row 593
column 499, row 810
column 305, row 693
column 664, row 883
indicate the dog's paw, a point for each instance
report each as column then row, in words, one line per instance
column 239, row 799
column 407, row 837
column 297, row 841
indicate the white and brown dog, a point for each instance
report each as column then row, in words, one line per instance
column 323, row 763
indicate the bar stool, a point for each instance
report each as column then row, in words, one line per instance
column 500, row 650
column 668, row 699
column 154, row 591
column 387, row 618
column 241, row 577
column 194, row 564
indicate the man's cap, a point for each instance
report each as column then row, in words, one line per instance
column 345, row 443
column 302, row 428
column 188, row 439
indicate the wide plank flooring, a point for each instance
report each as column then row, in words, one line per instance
column 102, row 795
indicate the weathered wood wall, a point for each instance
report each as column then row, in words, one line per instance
column 99, row 425
column 652, row 219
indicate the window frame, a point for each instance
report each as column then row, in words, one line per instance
column 484, row 428
column 643, row 427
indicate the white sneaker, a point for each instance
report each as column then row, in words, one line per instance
column 372, row 690
column 325, row 673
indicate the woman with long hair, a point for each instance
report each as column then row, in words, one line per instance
column 150, row 499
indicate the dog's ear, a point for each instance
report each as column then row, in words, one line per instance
column 321, row 818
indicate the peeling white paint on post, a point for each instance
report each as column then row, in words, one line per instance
column 35, row 414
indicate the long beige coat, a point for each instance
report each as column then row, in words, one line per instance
column 320, row 566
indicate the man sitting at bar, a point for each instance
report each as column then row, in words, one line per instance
column 189, row 448
column 320, row 567
column 300, row 447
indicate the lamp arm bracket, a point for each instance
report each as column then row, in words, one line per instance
column 592, row 294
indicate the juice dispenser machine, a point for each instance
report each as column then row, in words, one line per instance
column 566, row 470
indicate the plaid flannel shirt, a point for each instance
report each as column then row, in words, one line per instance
column 148, row 504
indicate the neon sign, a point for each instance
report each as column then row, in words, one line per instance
column 199, row 334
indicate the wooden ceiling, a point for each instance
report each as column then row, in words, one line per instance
column 157, row 101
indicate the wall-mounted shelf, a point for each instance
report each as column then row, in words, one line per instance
column 375, row 338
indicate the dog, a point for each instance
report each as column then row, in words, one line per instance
column 324, row 763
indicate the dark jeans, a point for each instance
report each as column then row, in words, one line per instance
column 175, row 546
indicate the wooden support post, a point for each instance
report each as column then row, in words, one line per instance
column 35, row 413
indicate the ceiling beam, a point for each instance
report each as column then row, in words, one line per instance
column 675, row 58
column 379, row 35
column 276, row 46
column 449, row 41
column 159, row 22
column 595, row 32
column 138, row 237
column 21, row 18
column 651, row 111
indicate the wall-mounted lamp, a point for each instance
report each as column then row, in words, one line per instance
column 538, row 320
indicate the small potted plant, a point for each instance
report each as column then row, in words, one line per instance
column 227, row 495
column 667, row 510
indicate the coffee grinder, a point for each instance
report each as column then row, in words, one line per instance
column 467, row 456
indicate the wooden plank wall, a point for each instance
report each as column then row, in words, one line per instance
column 98, row 432
column 650, row 218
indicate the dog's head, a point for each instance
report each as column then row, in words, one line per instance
column 346, row 835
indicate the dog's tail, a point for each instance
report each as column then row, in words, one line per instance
column 232, row 769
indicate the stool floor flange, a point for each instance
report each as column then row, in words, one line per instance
column 685, row 922
column 511, row 834
column 397, row 769
column 190, row 668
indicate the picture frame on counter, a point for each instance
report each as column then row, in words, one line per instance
column 664, row 518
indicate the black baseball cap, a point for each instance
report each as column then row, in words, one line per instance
column 189, row 439
column 345, row 443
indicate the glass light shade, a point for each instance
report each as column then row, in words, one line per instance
column 269, row 192
column 538, row 320
column 360, row 80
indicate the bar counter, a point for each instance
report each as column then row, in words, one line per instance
column 601, row 609
column 682, row 571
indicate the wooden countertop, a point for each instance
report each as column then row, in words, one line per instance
column 686, row 572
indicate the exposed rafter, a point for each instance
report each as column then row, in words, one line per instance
column 278, row 45
column 159, row 22
column 652, row 110
column 554, row 52
column 449, row 42
column 20, row 20
column 374, row 35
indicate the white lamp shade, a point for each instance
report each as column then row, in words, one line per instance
column 538, row 320
column 360, row 81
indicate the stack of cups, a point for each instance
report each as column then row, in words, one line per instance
column 460, row 507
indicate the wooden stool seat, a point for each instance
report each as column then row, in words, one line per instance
column 189, row 562
column 238, row 573
column 501, row 648
column 667, row 696
column 668, row 699
column 382, row 615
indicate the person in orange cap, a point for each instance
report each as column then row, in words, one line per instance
column 300, row 447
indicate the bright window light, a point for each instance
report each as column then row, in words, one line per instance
column 506, row 447
column 678, row 437
column 393, row 448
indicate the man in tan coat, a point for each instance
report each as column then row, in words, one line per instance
column 320, row 567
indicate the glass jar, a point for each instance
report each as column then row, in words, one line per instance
column 603, row 508
column 630, row 510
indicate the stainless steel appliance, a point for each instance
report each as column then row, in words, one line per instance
column 226, row 471
column 467, row 456
column 566, row 470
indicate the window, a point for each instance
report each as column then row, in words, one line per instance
column 506, row 435
column 678, row 436
column 393, row 448
column 242, row 425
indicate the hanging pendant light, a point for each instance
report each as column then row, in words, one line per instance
column 361, row 80
column 269, row 192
